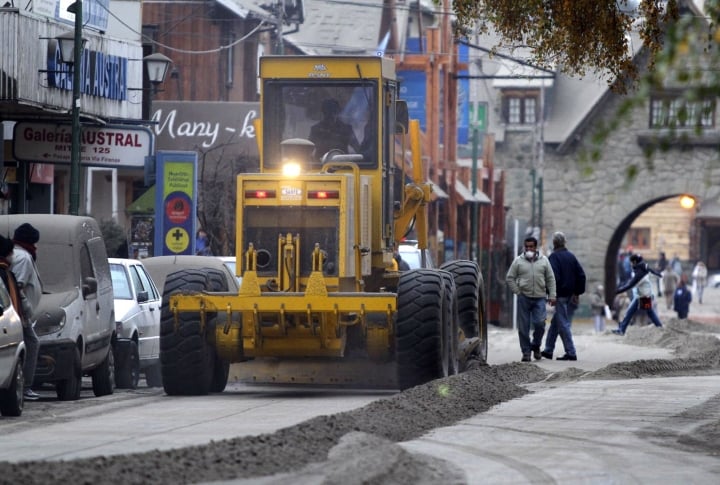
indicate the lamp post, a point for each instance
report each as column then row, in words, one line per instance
column 71, row 48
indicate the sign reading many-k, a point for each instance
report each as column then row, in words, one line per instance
column 100, row 146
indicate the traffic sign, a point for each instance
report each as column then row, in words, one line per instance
column 101, row 146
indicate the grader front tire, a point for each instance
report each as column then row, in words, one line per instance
column 419, row 328
column 186, row 358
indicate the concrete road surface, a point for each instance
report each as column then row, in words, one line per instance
column 591, row 431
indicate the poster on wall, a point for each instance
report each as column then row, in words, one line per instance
column 141, row 237
column 175, row 202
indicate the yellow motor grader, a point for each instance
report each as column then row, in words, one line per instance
column 322, row 300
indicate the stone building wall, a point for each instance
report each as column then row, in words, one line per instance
column 594, row 203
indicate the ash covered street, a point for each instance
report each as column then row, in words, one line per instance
column 638, row 408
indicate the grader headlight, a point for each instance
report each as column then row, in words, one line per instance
column 291, row 169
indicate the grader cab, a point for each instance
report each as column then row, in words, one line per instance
column 341, row 183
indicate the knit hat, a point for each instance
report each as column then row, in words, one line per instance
column 26, row 233
column 6, row 247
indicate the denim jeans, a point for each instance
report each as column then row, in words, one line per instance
column 32, row 345
column 531, row 316
column 632, row 309
column 560, row 325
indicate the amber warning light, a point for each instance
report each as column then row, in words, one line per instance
column 323, row 194
column 259, row 194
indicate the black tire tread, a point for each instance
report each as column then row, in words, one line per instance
column 418, row 327
column 186, row 358
column 470, row 301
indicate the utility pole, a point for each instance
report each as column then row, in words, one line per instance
column 76, row 8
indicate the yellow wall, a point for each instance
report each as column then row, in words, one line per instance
column 669, row 226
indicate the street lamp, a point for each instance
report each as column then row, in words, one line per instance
column 71, row 47
column 157, row 66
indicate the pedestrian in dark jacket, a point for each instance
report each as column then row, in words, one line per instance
column 570, row 284
column 641, row 279
column 682, row 298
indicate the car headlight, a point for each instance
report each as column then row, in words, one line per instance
column 50, row 321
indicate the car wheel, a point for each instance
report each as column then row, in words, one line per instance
column 12, row 399
column 127, row 369
column 103, row 378
column 69, row 389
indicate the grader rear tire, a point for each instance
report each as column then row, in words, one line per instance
column 471, row 302
column 419, row 328
column 451, row 337
column 186, row 358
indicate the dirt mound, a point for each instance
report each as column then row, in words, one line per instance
column 371, row 431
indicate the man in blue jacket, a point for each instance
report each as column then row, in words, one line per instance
column 570, row 280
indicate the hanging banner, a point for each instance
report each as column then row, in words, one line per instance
column 175, row 202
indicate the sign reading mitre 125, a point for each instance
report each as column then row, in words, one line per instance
column 100, row 146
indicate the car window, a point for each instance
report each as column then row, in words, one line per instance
column 136, row 280
column 86, row 269
column 121, row 285
column 98, row 257
column 147, row 283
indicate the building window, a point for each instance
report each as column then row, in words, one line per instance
column 520, row 108
column 638, row 237
column 674, row 111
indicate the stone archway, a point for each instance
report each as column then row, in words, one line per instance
column 613, row 248
column 594, row 202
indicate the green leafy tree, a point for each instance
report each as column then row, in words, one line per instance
column 574, row 35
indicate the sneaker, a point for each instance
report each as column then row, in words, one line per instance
column 525, row 358
column 31, row 395
column 617, row 331
column 536, row 354
column 567, row 357
column 547, row 355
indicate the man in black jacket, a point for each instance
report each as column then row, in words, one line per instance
column 570, row 278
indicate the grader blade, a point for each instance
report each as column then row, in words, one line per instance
column 351, row 373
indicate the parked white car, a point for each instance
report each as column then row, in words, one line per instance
column 414, row 256
column 12, row 357
column 231, row 264
column 137, row 320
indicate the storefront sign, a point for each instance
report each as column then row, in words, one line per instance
column 101, row 146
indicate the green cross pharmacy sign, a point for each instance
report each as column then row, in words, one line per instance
column 478, row 116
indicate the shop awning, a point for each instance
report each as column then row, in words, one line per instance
column 437, row 192
column 466, row 194
column 709, row 210
column 145, row 204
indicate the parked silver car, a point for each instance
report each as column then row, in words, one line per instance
column 137, row 320
column 12, row 357
column 75, row 321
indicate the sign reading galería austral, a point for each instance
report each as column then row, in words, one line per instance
column 100, row 146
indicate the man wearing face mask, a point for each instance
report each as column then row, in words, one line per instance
column 531, row 278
